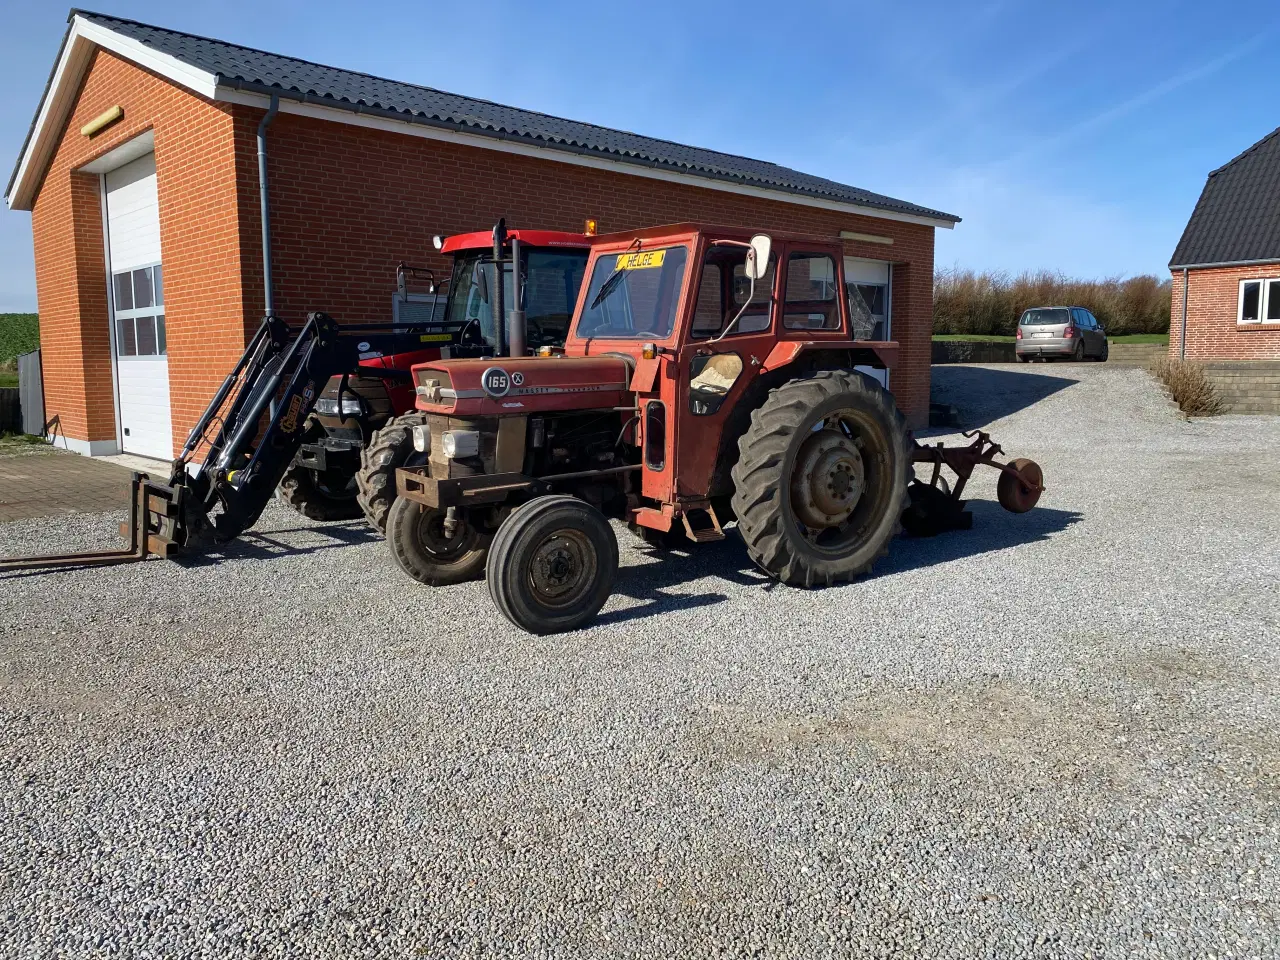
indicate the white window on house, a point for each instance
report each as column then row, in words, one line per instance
column 139, row 303
column 1259, row 301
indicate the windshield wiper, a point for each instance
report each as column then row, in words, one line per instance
column 615, row 278
column 610, row 285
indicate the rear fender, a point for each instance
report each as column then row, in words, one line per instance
column 826, row 354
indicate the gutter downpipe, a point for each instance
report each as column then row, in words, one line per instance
column 1183, row 344
column 262, row 199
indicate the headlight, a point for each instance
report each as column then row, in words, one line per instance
column 460, row 443
column 327, row 407
column 422, row 439
column 351, row 406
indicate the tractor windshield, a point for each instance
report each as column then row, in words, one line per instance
column 634, row 295
column 551, row 282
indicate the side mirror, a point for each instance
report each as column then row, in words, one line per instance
column 758, row 256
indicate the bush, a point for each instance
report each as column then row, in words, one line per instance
column 19, row 333
column 1191, row 389
column 967, row 302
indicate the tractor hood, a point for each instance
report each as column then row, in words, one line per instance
column 521, row 385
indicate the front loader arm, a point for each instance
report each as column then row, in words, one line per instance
column 279, row 377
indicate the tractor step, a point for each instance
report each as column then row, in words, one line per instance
column 702, row 533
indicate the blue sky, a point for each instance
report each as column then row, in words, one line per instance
column 1069, row 136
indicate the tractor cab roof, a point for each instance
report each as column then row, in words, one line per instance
column 717, row 231
column 483, row 240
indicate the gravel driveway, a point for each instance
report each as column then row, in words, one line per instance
column 1056, row 735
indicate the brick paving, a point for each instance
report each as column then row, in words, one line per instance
column 39, row 481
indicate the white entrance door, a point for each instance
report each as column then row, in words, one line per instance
column 867, row 287
column 137, row 309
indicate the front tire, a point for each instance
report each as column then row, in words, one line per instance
column 821, row 480
column 552, row 565
column 389, row 448
column 424, row 551
column 329, row 496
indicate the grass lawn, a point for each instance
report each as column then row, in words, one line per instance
column 1127, row 338
column 8, row 380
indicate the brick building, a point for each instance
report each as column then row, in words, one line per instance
column 141, row 174
column 1226, row 268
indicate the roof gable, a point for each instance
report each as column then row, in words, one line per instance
column 1237, row 218
column 218, row 69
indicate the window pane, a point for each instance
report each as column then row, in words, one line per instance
column 124, row 292
column 1249, row 312
column 708, row 315
column 811, row 281
column 142, row 288
column 158, row 285
column 146, row 327
column 161, row 347
column 1273, row 299
column 126, row 345
column 641, row 295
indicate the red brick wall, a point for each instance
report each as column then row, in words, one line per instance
column 348, row 203
column 1212, row 308
column 198, row 189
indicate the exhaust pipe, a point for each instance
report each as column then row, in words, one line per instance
column 516, row 346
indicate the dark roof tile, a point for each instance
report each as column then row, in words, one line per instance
column 288, row 76
column 1237, row 218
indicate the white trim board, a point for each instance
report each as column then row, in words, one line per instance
column 84, row 35
column 82, row 38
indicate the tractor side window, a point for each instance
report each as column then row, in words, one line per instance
column 708, row 314
column 713, row 310
column 811, row 300
column 634, row 295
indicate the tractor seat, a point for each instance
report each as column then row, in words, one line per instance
column 718, row 376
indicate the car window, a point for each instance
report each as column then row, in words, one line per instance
column 1042, row 316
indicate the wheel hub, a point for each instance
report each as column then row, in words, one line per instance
column 559, row 568
column 828, row 481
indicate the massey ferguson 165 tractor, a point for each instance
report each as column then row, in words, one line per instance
column 358, row 432
column 708, row 375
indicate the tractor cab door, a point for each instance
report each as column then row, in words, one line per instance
column 717, row 361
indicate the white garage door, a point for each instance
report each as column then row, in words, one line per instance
column 137, row 307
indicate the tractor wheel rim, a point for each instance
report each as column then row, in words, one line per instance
column 828, row 480
column 562, row 569
column 841, row 479
column 436, row 543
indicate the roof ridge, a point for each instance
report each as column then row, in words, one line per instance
column 1245, row 152
column 421, row 86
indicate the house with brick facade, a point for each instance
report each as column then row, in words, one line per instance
column 1226, row 268
column 141, row 173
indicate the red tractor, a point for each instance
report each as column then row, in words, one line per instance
column 358, row 433
column 708, row 375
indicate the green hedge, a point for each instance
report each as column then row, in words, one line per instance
column 967, row 302
column 19, row 333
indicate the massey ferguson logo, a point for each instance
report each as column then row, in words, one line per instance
column 496, row 382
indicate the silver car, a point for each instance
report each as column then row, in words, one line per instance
column 1067, row 332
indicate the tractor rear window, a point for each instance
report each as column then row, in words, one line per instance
column 634, row 295
column 1039, row 318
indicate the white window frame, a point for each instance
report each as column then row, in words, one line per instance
column 155, row 310
column 1264, row 301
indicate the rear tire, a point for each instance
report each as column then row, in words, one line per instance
column 552, row 564
column 421, row 549
column 330, row 495
column 1078, row 356
column 389, row 448
column 821, row 480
